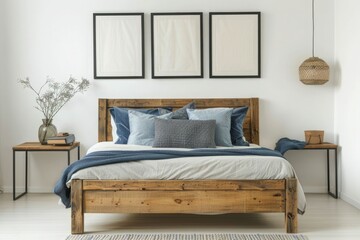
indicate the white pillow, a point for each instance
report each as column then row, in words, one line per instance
column 113, row 130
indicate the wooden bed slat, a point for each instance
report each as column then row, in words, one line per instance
column 183, row 185
column 177, row 103
column 183, row 201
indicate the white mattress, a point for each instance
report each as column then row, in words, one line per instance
column 190, row 168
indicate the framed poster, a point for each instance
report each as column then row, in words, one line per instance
column 177, row 45
column 118, row 45
column 235, row 45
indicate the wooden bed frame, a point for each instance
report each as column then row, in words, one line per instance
column 183, row 196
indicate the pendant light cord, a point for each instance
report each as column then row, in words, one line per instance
column 313, row 29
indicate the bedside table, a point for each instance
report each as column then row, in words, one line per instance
column 37, row 147
column 327, row 147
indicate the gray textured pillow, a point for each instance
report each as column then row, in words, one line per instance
column 184, row 134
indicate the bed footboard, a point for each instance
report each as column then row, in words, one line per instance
column 180, row 196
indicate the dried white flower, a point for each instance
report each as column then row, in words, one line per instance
column 51, row 100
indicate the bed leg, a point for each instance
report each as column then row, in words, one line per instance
column 291, row 218
column 77, row 213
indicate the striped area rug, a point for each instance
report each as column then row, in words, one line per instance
column 189, row 237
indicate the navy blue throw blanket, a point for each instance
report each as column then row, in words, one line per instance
column 109, row 157
column 285, row 144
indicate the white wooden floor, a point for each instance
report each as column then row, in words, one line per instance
column 38, row 216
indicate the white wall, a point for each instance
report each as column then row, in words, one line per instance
column 347, row 97
column 2, row 84
column 55, row 38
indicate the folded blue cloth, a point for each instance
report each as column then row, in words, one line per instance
column 285, row 144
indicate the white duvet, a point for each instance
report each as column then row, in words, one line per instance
column 190, row 168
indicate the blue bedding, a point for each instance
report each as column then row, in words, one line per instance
column 286, row 144
column 110, row 157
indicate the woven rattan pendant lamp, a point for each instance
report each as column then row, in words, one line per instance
column 314, row 70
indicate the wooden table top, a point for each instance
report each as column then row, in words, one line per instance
column 36, row 146
column 324, row 145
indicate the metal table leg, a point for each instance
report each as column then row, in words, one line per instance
column 68, row 157
column 26, row 171
column 328, row 169
column 14, row 176
column 334, row 195
column 336, row 174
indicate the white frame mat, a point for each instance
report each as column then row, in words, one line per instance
column 235, row 45
column 177, row 45
column 118, row 45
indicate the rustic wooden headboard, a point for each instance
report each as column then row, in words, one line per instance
column 251, row 122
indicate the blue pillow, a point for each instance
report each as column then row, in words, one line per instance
column 237, row 120
column 222, row 116
column 180, row 113
column 121, row 120
column 142, row 127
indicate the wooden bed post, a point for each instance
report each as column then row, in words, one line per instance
column 77, row 213
column 103, row 109
column 291, row 219
column 254, row 104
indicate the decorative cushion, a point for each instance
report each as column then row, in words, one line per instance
column 222, row 116
column 180, row 113
column 120, row 122
column 237, row 133
column 184, row 134
column 142, row 127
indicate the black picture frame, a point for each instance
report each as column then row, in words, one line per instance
column 235, row 66
column 102, row 53
column 158, row 68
